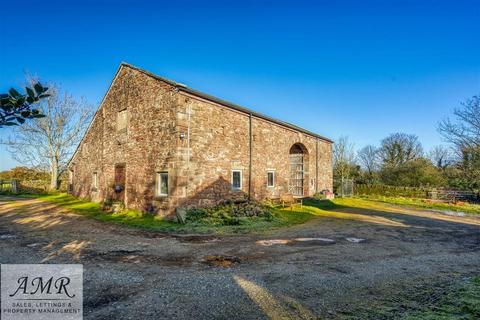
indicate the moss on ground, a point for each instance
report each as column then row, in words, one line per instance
column 461, row 303
column 457, row 299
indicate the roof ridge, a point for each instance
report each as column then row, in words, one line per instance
column 185, row 88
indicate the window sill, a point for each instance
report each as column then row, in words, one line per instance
column 161, row 197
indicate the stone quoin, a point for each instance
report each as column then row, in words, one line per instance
column 157, row 146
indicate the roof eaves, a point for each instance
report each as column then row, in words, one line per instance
column 253, row 113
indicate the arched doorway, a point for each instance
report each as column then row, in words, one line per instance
column 296, row 183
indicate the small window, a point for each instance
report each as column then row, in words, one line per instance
column 236, row 179
column 94, row 180
column 162, row 184
column 122, row 119
column 271, row 179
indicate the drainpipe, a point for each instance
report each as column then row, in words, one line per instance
column 316, row 166
column 250, row 160
column 189, row 110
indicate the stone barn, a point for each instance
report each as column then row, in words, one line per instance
column 157, row 145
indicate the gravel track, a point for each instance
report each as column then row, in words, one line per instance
column 313, row 272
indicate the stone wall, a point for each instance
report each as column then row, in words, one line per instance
column 198, row 142
column 148, row 145
column 220, row 143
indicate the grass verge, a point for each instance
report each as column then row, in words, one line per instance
column 132, row 218
column 463, row 303
column 281, row 217
column 422, row 203
column 457, row 298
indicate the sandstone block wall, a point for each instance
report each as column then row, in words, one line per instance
column 197, row 141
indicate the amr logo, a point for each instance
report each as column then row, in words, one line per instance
column 38, row 285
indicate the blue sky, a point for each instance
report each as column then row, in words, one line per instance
column 358, row 68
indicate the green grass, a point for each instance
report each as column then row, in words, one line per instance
column 463, row 303
column 93, row 210
column 132, row 218
column 420, row 203
column 281, row 217
column 455, row 299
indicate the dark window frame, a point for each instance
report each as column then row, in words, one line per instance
column 272, row 173
column 160, row 177
column 240, row 186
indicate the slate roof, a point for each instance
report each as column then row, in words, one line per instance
column 184, row 88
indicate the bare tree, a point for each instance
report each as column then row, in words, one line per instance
column 368, row 158
column 343, row 158
column 441, row 157
column 464, row 131
column 49, row 142
column 464, row 134
column 399, row 148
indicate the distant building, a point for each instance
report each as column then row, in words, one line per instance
column 157, row 145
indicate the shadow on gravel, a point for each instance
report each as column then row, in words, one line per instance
column 394, row 216
column 30, row 216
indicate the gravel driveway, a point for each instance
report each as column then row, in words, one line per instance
column 347, row 265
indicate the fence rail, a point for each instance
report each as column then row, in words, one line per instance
column 456, row 195
column 422, row 193
column 10, row 186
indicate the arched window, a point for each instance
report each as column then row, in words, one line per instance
column 296, row 183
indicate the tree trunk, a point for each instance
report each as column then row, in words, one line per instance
column 54, row 175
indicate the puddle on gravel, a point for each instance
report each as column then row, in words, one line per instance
column 314, row 239
column 269, row 243
column 453, row 213
column 297, row 242
column 306, row 242
column 34, row 245
column 221, row 261
column 355, row 240
column 7, row 236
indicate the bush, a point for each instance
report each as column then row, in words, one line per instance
column 319, row 196
column 196, row 214
column 414, row 173
column 230, row 213
column 392, row 191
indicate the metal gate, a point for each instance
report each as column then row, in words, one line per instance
column 346, row 188
column 296, row 181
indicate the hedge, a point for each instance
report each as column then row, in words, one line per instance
column 392, row 191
